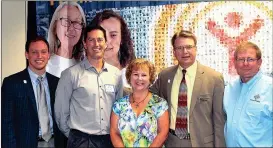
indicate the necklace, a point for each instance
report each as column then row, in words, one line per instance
column 137, row 103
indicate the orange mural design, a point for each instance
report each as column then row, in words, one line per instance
column 161, row 30
column 233, row 20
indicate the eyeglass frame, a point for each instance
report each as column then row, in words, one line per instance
column 187, row 47
column 71, row 22
column 248, row 59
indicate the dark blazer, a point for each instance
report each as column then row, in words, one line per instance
column 206, row 116
column 20, row 123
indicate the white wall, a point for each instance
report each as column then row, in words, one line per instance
column 13, row 37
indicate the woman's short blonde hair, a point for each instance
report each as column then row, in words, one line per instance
column 139, row 63
column 52, row 37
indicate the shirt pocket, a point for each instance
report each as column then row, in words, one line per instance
column 83, row 89
column 253, row 113
column 204, row 103
column 82, row 92
column 85, row 98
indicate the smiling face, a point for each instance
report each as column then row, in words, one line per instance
column 68, row 36
column 247, row 69
column 185, row 56
column 140, row 78
column 95, row 44
column 37, row 56
column 113, row 34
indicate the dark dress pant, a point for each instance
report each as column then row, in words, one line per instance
column 78, row 139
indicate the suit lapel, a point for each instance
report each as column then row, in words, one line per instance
column 197, row 86
column 170, row 82
column 49, row 86
column 51, row 90
column 30, row 92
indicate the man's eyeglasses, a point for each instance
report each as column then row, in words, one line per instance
column 67, row 23
column 249, row 60
column 187, row 47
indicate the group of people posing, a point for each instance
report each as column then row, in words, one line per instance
column 83, row 87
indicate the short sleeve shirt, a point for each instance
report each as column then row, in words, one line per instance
column 139, row 131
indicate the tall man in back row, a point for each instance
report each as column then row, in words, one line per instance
column 195, row 95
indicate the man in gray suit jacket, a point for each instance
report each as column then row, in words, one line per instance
column 203, row 120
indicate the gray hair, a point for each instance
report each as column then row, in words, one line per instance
column 52, row 38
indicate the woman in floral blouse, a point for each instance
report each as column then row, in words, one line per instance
column 140, row 119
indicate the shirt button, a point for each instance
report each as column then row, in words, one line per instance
column 101, row 119
column 234, row 122
column 101, row 108
column 101, row 97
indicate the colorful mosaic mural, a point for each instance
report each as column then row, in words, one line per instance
column 219, row 27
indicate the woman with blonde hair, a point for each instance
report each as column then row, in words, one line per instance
column 65, row 37
column 65, row 44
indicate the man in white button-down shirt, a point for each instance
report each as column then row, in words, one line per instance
column 85, row 95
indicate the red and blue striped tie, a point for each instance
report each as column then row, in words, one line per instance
column 181, row 127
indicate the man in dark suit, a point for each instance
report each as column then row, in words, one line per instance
column 195, row 94
column 21, row 105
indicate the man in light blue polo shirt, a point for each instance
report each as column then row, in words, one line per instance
column 248, row 101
